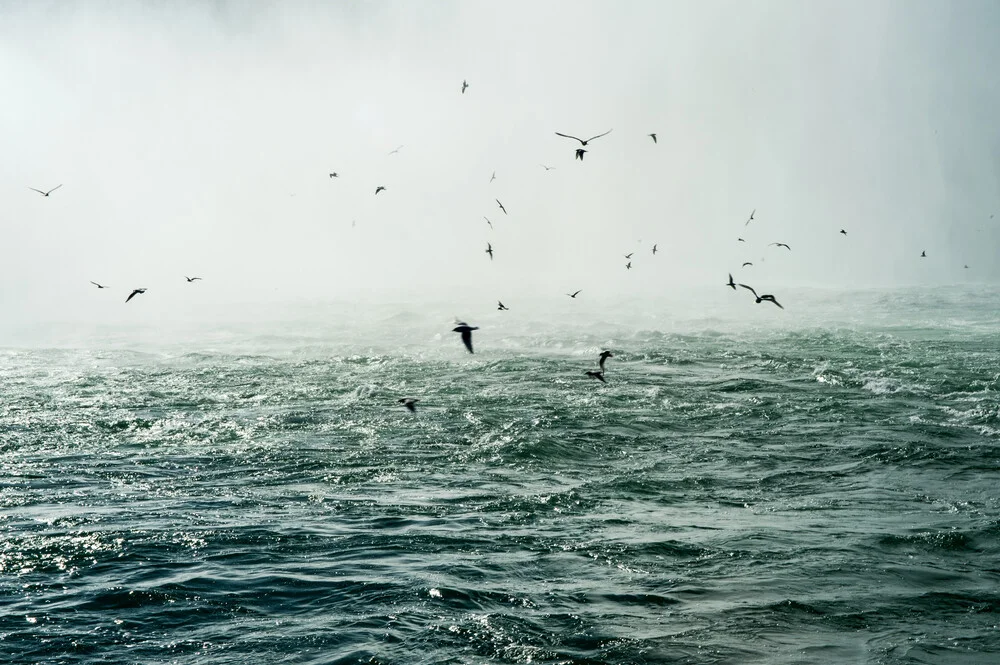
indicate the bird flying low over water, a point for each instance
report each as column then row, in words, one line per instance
column 751, row 217
column 652, row 136
column 100, row 286
column 502, row 307
column 579, row 153
column 466, row 331
column 378, row 189
column 134, row 293
column 767, row 296
column 410, row 403
column 582, row 142
column 191, row 279
column 489, row 250
column 604, row 356
column 48, row 192
column 574, row 294
column 731, row 282
column 501, row 206
column 597, row 375
column 780, row 244
column 464, row 86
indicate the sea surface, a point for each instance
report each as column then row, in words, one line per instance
column 819, row 484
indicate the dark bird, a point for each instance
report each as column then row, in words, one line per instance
column 745, row 264
column 582, row 142
column 629, row 255
column 731, row 282
column 502, row 307
column 488, row 221
column 378, row 189
column 966, row 267
column 191, row 279
column 604, row 356
column 334, row 175
column 751, row 217
column 489, row 250
column 767, row 296
column 466, row 331
column 396, row 150
column 410, row 403
column 579, row 153
column 48, row 192
column 654, row 249
column 574, row 294
column 493, row 177
column 652, row 136
column 547, row 168
column 135, row 293
column 597, row 375
column 740, row 240
column 501, row 206
column 843, row 232
column 101, row 286
column 628, row 266
column 780, row 244
column 923, row 255
column 464, row 86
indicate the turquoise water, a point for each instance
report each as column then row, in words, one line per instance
column 818, row 485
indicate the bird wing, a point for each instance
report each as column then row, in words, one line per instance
column 53, row 189
column 749, row 288
column 770, row 298
column 131, row 295
column 37, row 190
column 467, row 339
column 411, row 406
column 95, row 284
column 598, row 136
column 569, row 137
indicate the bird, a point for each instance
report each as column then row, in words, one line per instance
column 751, row 217
column 582, row 142
column 629, row 255
column 466, row 331
column 493, row 177
column 191, row 279
column 547, row 168
column 488, row 221
column 597, row 375
column 843, row 232
column 628, row 266
column 48, row 192
column 767, row 296
column 410, row 403
column 134, row 293
column 654, row 249
column 502, row 307
column 923, row 255
column 579, row 153
column 780, row 244
column 652, row 136
column 745, row 264
column 740, row 240
column 604, row 356
column 464, row 86
column 378, row 189
column 334, row 175
column 501, row 206
column 574, row 294
column 966, row 266
column 101, row 286
column 396, row 150
column 731, row 282
column 489, row 250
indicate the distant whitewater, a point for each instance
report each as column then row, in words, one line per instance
column 752, row 485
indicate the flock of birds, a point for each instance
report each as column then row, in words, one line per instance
column 463, row 328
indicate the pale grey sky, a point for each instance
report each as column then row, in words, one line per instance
column 196, row 138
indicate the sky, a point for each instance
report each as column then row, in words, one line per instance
column 196, row 138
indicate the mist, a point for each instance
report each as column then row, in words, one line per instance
column 197, row 139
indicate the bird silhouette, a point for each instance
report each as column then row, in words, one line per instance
column 547, row 168
column 502, row 307
column 134, row 293
column 191, row 279
column 48, row 192
column 745, row 264
column 731, row 282
column 378, row 189
column 393, row 152
column 410, row 403
column 597, row 375
column 652, row 136
column 751, row 217
column 780, row 244
column 740, row 240
column 493, row 177
column 489, row 250
column 843, row 232
column 488, row 221
column 501, row 206
column 579, row 153
column 654, row 249
column 582, row 142
column 767, row 296
column 464, row 86
column 466, row 331
column 629, row 255
column 334, row 175
column 574, row 294
column 100, row 286
column 923, row 255
column 628, row 266
column 604, row 356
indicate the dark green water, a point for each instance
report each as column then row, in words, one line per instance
column 822, row 489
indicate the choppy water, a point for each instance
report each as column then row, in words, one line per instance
column 816, row 488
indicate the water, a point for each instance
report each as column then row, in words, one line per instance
column 751, row 486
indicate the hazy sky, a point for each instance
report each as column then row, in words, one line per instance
column 195, row 138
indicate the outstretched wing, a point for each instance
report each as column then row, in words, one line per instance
column 131, row 295
column 53, row 189
column 467, row 339
column 598, row 136
column 750, row 289
column 770, row 298
column 37, row 190
column 567, row 136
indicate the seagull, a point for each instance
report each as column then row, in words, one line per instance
column 654, row 249
column 502, row 307
column 466, row 331
column 768, row 297
column 923, row 255
column 101, row 286
column 547, row 168
column 780, row 244
column 396, row 150
column 597, row 375
column 489, row 250
column 378, row 189
column 731, row 282
column 628, row 266
column 745, row 264
column 574, row 294
column 488, row 221
column 191, row 279
column 410, row 403
column 629, row 255
column 582, row 142
column 579, row 153
column 134, row 293
column 652, row 136
column 48, row 192
column 843, row 232
column 493, row 177
column 464, row 86
column 604, row 356
column 334, row 175
column 751, row 217
column 501, row 206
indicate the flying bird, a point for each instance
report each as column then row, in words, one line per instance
column 604, row 356
column 731, row 282
column 652, row 136
column 547, row 168
column 48, row 192
column 134, row 293
column 654, row 249
column 396, row 150
column 582, row 142
column 101, row 286
column 767, row 296
column 334, row 175
column 501, row 206
column 493, row 177
column 966, row 267
column 410, row 403
column 745, row 264
column 597, row 375
column 378, row 189
column 488, row 221
column 489, row 250
column 780, row 244
column 751, row 217
column 629, row 255
column 579, row 153
column 466, row 331
column 843, row 232
column 574, row 294
column 740, row 240
column 923, row 255
column 502, row 307
column 191, row 279
column 464, row 86
column 628, row 266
